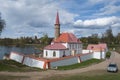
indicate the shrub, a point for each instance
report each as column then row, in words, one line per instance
column 108, row 54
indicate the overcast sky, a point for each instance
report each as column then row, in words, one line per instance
column 81, row 17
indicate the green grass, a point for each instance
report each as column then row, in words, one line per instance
column 12, row 66
column 80, row 65
column 92, row 75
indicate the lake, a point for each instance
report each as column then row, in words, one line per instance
column 25, row 50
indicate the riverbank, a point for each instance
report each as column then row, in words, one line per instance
column 12, row 66
column 74, row 74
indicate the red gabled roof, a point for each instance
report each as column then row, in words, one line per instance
column 67, row 37
column 103, row 45
column 55, row 46
column 97, row 47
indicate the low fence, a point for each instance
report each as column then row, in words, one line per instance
column 34, row 62
column 51, row 63
column 69, row 60
column 86, row 56
column 99, row 55
column 27, row 60
column 16, row 56
column 64, row 62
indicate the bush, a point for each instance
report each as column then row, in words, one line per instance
column 108, row 54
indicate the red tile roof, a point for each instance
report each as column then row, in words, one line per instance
column 67, row 37
column 97, row 47
column 56, row 46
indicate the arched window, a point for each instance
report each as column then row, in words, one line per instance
column 54, row 54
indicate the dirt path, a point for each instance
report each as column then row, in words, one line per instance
column 38, row 75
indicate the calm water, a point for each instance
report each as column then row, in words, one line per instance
column 25, row 50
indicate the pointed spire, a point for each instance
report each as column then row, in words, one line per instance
column 57, row 19
column 57, row 26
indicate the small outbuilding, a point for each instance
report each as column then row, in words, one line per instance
column 99, row 50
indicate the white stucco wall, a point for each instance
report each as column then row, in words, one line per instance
column 67, row 53
column 16, row 57
column 50, row 54
column 64, row 62
column 59, row 53
column 79, row 48
column 75, row 46
column 86, row 51
column 33, row 62
column 97, row 55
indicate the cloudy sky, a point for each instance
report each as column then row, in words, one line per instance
column 81, row 17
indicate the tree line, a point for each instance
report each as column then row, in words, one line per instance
column 22, row 41
column 106, row 37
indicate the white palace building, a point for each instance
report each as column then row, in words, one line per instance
column 65, row 49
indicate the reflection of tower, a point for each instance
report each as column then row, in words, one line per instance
column 57, row 26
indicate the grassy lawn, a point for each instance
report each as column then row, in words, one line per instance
column 92, row 75
column 12, row 66
column 80, row 65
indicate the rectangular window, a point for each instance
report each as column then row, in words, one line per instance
column 73, row 46
column 54, row 54
column 46, row 53
column 70, row 46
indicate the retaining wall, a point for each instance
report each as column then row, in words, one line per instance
column 33, row 62
column 16, row 57
column 71, row 60
column 86, row 56
column 50, row 63
column 64, row 62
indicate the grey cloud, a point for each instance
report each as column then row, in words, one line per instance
column 97, row 23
